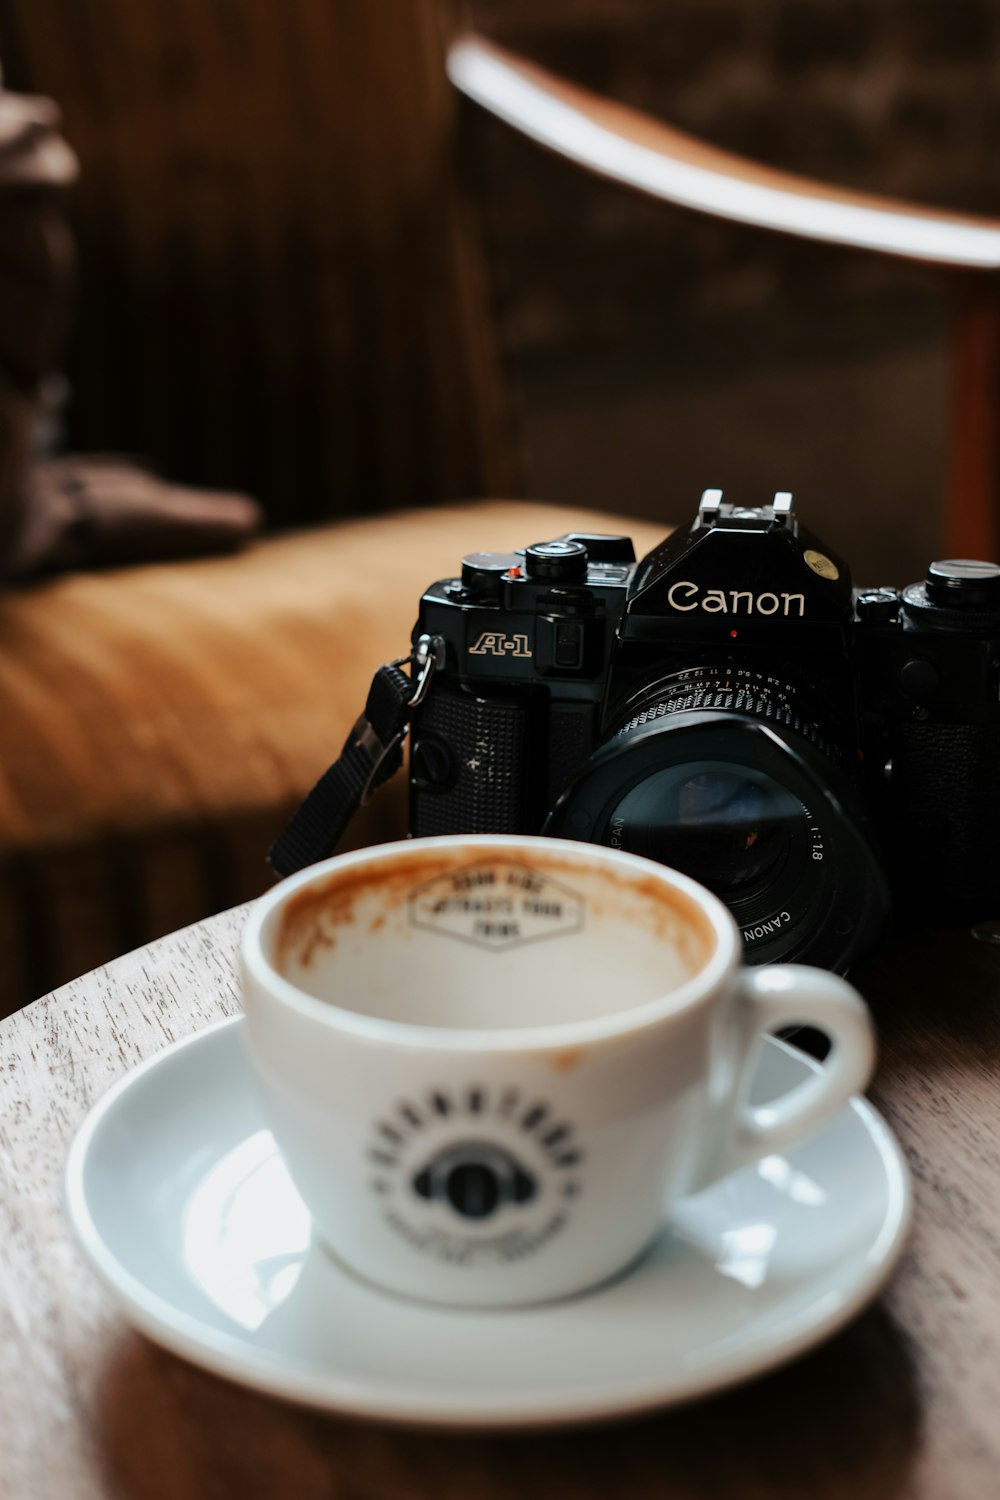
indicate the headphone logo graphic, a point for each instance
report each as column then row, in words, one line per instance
column 471, row 1178
column 476, row 1178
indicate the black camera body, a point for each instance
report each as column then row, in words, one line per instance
column 731, row 706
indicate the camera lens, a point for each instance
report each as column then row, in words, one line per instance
column 730, row 829
column 725, row 775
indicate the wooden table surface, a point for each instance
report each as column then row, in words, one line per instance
column 905, row 1402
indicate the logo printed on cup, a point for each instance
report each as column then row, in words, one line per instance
column 498, row 1191
column 497, row 905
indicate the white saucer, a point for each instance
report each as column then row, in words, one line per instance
column 182, row 1204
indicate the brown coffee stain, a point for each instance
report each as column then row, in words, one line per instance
column 315, row 915
column 667, row 914
column 566, row 1060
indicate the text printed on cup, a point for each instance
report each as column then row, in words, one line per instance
column 496, row 905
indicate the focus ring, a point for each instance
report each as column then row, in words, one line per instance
column 735, row 701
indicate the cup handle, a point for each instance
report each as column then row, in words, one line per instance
column 790, row 995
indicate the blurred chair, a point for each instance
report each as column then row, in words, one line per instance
column 652, row 157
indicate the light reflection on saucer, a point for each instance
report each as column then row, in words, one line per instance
column 780, row 1173
column 736, row 1227
column 246, row 1232
column 746, row 1252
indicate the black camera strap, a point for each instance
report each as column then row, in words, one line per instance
column 372, row 753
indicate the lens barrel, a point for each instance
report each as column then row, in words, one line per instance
column 726, row 776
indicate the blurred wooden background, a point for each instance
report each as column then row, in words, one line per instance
column 644, row 352
column 653, row 352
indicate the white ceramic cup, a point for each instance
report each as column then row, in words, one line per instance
column 493, row 1063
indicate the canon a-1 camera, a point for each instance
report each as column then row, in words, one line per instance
column 731, row 706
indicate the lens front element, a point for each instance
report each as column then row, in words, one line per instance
column 733, row 829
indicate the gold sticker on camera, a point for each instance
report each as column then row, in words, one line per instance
column 821, row 564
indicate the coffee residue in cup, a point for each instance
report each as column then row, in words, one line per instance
column 316, row 915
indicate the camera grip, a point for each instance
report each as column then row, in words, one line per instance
column 480, row 766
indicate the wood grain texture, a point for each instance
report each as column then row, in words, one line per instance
column 900, row 1406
